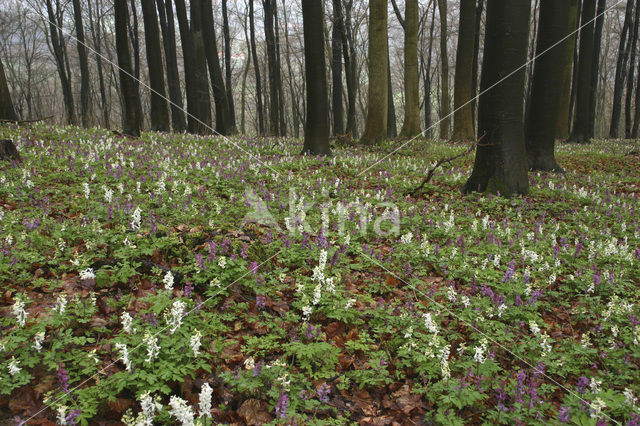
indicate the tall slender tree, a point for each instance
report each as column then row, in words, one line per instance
column 621, row 70
column 224, row 125
column 159, row 110
column 392, row 125
column 476, row 61
column 411, row 124
column 565, row 69
column 316, row 129
column 274, row 98
column 595, row 65
column 350, row 66
column 131, row 100
column 463, row 127
column 227, row 66
column 445, row 108
column 628, row 120
column 545, row 103
column 85, row 88
column 7, row 112
column 581, row 131
column 168, row 27
column 256, row 70
column 500, row 163
column 336, row 68
column 427, row 76
column 200, row 62
column 97, row 46
column 377, row 104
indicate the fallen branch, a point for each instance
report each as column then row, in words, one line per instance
column 442, row 161
column 19, row 122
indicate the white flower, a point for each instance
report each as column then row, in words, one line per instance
column 479, row 356
column 61, row 304
column 168, row 281
column 37, row 341
column 451, row 295
column 153, row 350
column 205, row 400
column 408, row 333
column 429, row 323
column 13, row 366
column 534, row 327
column 177, row 314
column 195, row 343
column 501, row 310
column 317, row 294
column 135, row 223
column 596, row 407
column 350, row 303
column 127, row 322
column 108, row 195
column 465, row 301
column 87, row 191
column 444, row 362
column 87, row 274
column 92, row 356
column 406, row 238
column 306, row 312
column 630, row 399
column 552, row 279
column 124, row 355
column 61, row 415
column 222, row 262
column 148, row 410
column 181, row 411
column 18, row 310
column 595, row 385
column 249, row 363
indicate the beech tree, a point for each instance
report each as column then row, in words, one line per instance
column 463, row 126
column 565, row 71
column 6, row 104
column 545, row 102
column 316, row 129
column 131, row 100
column 159, row 111
column 445, row 108
column 85, row 89
column 377, row 103
column 500, row 163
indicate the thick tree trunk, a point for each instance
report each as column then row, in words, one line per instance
column 200, row 74
column 500, row 163
column 377, row 104
column 190, row 78
column 445, row 108
column 8, row 151
column 224, row 126
column 463, row 128
column 595, row 65
column 336, row 68
column 131, row 100
column 316, row 129
column 581, row 130
column 227, row 67
column 159, row 111
column 167, row 24
column 476, row 61
column 628, row 122
column 57, row 43
column 621, row 67
column 85, row 89
column 256, row 68
column 7, row 112
column 545, row 103
column 411, row 124
column 565, row 70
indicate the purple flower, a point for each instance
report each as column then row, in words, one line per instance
column 582, row 384
column 200, row 262
column 634, row 420
column 257, row 369
column 261, row 301
column 323, row 393
column 253, row 267
column 509, row 272
column 188, row 289
column 151, row 319
column 281, row 406
column 310, row 330
column 72, row 416
column 63, row 378
column 564, row 414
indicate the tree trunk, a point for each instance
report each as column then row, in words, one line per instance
column 227, row 68
column 224, row 125
column 190, row 78
column 281, row 104
column 476, row 61
column 463, row 128
column 581, row 130
column 316, row 128
column 6, row 104
column 8, row 151
column 411, row 124
column 628, row 122
column 294, row 102
column 566, row 74
column 57, row 42
column 427, row 78
column 377, row 104
column 392, row 129
column 554, row 25
column 350, row 66
column 574, row 76
column 200, row 74
column 167, row 24
column 621, row 66
column 85, row 89
column 336, row 68
column 500, row 163
column 595, row 66
column 98, row 49
column 274, row 104
column 445, row 109
column 159, row 111
column 135, row 44
column 256, row 66
column 131, row 100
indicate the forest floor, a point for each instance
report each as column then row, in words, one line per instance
column 174, row 277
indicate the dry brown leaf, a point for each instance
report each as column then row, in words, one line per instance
column 255, row 412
